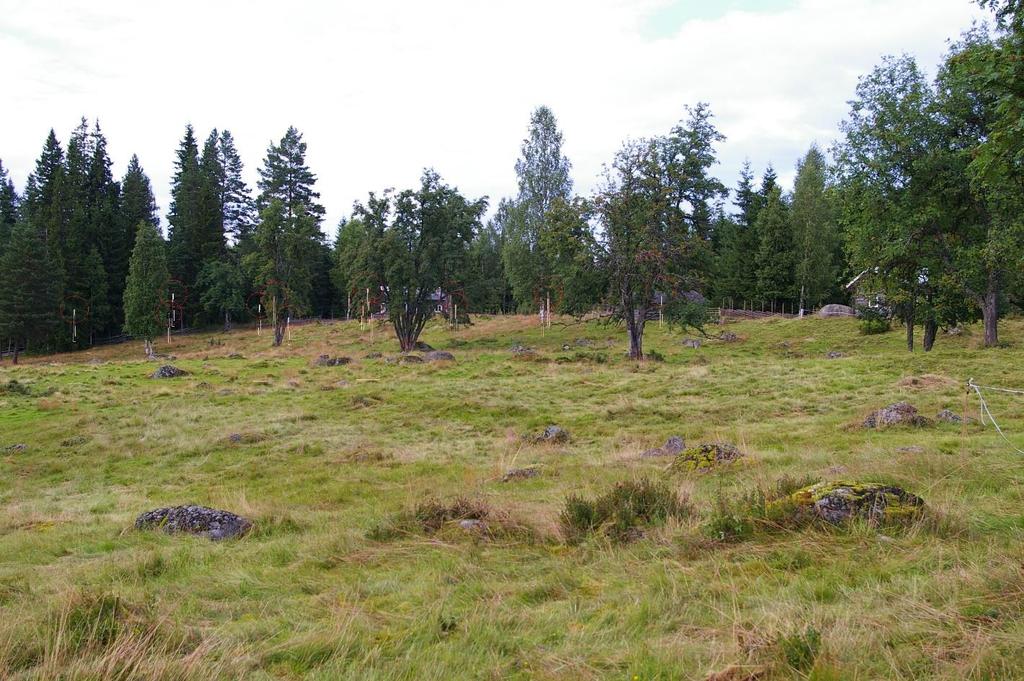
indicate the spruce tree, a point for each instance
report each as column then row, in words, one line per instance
column 184, row 233
column 8, row 206
column 211, row 211
column 45, row 203
column 95, row 295
column 774, row 261
column 236, row 201
column 137, row 202
column 104, row 231
column 28, row 292
column 287, row 250
column 145, row 305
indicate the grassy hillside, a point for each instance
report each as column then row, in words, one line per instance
column 339, row 579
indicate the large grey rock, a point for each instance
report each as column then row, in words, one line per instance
column 899, row 414
column 198, row 520
column 837, row 311
column 439, row 356
column 168, row 371
column 839, row 502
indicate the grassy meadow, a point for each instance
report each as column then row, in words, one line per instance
column 336, row 582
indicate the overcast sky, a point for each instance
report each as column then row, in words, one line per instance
column 382, row 89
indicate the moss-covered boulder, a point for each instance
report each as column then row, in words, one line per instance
column 839, row 502
column 705, row 456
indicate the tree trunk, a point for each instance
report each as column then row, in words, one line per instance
column 990, row 312
column 931, row 328
column 15, row 356
column 227, row 321
column 635, row 327
column 278, row 334
column 908, row 320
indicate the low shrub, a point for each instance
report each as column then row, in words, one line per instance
column 872, row 321
column 622, row 511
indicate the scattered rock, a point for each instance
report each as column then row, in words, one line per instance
column 566, row 347
column 410, row 359
column 911, row 449
column 520, row 349
column 899, row 414
column 246, row 438
column 583, row 342
column 168, row 371
column 955, row 331
column 834, row 354
column 837, row 311
column 328, row 361
column 199, row 520
column 74, row 441
column 374, row 355
column 203, row 385
column 235, row 355
column 691, row 343
column 949, row 416
column 15, row 449
column 521, row 473
column 423, row 347
column 439, row 356
column 728, row 337
column 673, row 446
column 472, row 525
column 550, row 435
column 706, row 456
column 839, row 502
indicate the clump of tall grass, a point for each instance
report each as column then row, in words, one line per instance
column 623, row 511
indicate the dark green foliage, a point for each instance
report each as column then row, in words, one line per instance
column 543, row 174
column 286, row 253
column 236, row 201
column 8, row 207
column 286, row 177
column 415, row 244
column 185, row 235
column 573, row 255
column 221, row 287
column 487, row 288
column 137, row 201
column 145, row 302
column 774, row 261
column 28, row 292
column 873, row 321
column 814, row 232
column 621, row 511
column 95, row 295
column 799, row 650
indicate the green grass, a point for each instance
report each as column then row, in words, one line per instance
column 339, row 467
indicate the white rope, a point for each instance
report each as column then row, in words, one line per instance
column 985, row 411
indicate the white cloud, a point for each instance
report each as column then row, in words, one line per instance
column 382, row 89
